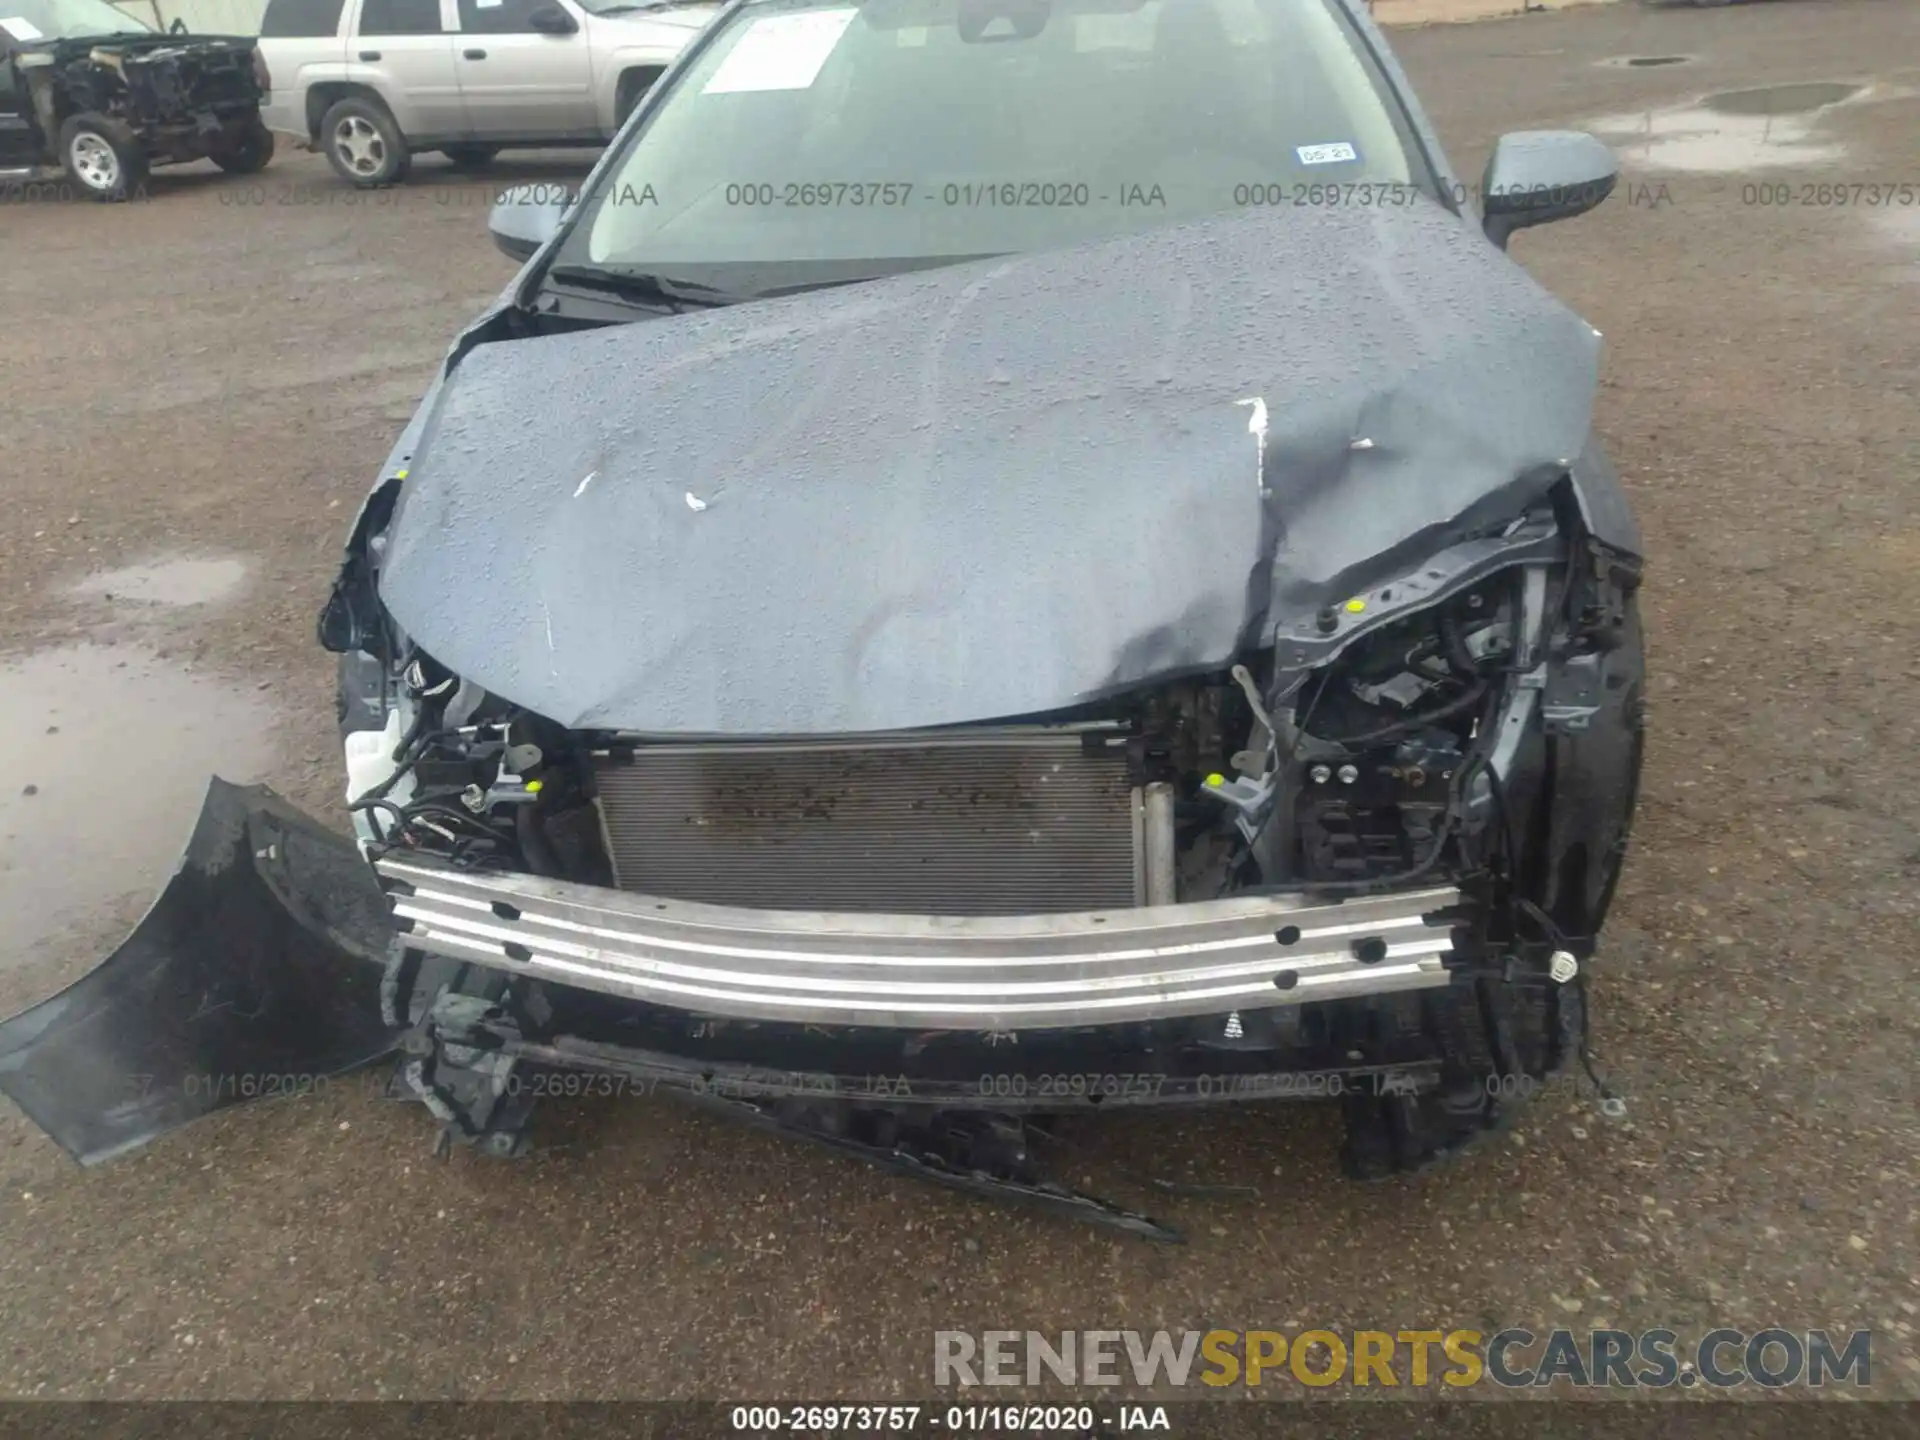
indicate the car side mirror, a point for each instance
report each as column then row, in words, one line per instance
column 1534, row 176
column 525, row 217
column 553, row 20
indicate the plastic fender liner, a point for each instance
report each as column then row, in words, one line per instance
column 256, row 973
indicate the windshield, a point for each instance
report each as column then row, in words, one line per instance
column 28, row 20
column 811, row 139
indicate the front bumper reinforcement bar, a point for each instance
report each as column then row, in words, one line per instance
column 927, row 972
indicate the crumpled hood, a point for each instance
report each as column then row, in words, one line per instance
column 987, row 491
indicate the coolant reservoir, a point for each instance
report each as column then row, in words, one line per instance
column 369, row 763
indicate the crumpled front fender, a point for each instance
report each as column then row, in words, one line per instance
column 256, row 973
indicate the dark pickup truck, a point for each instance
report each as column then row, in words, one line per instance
column 93, row 90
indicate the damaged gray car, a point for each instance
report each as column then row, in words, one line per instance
column 1001, row 559
column 95, row 91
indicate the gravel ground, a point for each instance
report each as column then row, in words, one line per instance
column 208, row 379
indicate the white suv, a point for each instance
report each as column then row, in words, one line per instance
column 374, row 82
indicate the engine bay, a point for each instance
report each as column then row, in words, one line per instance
column 1189, row 791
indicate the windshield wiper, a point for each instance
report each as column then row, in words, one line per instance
column 802, row 286
column 676, row 295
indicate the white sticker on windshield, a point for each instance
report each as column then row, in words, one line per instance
column 1326, row 154
column 21, row 28
column 781, row 52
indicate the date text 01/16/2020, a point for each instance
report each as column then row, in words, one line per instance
column 960, row 1419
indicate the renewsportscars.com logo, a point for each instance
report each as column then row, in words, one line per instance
column 1513, row 1358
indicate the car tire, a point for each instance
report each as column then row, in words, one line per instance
column 102, row 157
column 470, row 157
column 632, row 89
column 248, row 151
column 363, row 144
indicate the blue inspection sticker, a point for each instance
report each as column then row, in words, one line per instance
column 1339, row 152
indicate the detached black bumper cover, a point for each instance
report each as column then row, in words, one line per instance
column 256, row 972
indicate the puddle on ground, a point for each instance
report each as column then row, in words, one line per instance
column 180, row 581
column 116, row 745
column 1738, row 130
column 1780, row 99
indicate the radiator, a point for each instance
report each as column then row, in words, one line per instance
column 994, row 822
